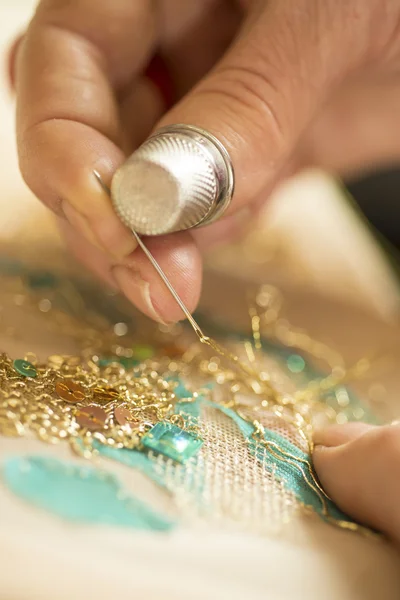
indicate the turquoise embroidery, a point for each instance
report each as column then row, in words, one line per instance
column 180, row 390
column 81, row 494
column 189, row 410
column 291, row 471
column 135, row 460
column 86, row 494
column 163, row 472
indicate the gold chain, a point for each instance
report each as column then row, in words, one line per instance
column 85, row 401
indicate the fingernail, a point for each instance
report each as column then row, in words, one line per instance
column 136, row 290
column 118, row 244
column 114, row 237
column 112, row 234
column 80, row 223
column 337, row 435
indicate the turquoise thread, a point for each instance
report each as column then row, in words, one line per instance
column 79, row 493
column 180, row 389
column 291, row 475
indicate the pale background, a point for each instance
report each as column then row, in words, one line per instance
column 42, row 558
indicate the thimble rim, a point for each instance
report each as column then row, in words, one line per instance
column 227, row 178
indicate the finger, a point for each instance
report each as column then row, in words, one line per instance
column 227, row 229
column 12, row 59
column 357, row 131
column 87, row 254
column 361, row 474
column 194, row 36
column 192, row 39
column 140, row 109
column 72, row 58
column 264, row 91
column 336, row 435
column 177, row 255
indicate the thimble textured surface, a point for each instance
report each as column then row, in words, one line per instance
column 171, row 183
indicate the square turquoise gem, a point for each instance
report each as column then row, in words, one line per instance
column 172, row 441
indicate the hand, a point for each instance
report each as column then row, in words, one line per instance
column 281, row 84
column 359, row 466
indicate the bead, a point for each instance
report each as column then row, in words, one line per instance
column 41, row 279
column 171, row 441
column 70, row 391
column 91, row 417
column 24, row 368
column 142, row 352
column 296, row 363
column 126, row 361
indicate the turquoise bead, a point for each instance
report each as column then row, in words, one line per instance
column 129, row 362
column 172, row 441
column 142, row 352
column 125, row 361
column 24, row 368
column 296, row 363
column 41, row 279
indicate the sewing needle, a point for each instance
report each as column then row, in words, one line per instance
column 159, row 270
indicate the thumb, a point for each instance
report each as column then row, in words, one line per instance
column 358, row 466
column 262, row 94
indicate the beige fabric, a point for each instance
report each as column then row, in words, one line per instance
column 43, row 558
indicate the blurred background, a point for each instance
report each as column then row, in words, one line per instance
column 331, row 243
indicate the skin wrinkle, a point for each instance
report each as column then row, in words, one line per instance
column 254, row 84
column 250, row 125
column 392, row 46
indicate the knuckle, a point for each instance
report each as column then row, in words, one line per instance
column 253, row 103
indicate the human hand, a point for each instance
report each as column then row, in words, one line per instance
column 281, row 84
column 358, row 466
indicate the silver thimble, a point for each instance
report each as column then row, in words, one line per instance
column 180, row 178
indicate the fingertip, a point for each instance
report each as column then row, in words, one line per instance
column 11, row 60
column 180, row 259
column 336, row 435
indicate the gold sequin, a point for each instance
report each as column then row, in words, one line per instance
column 104, row 395
column 91, row 417
column 124, row 416
column 70, row 391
